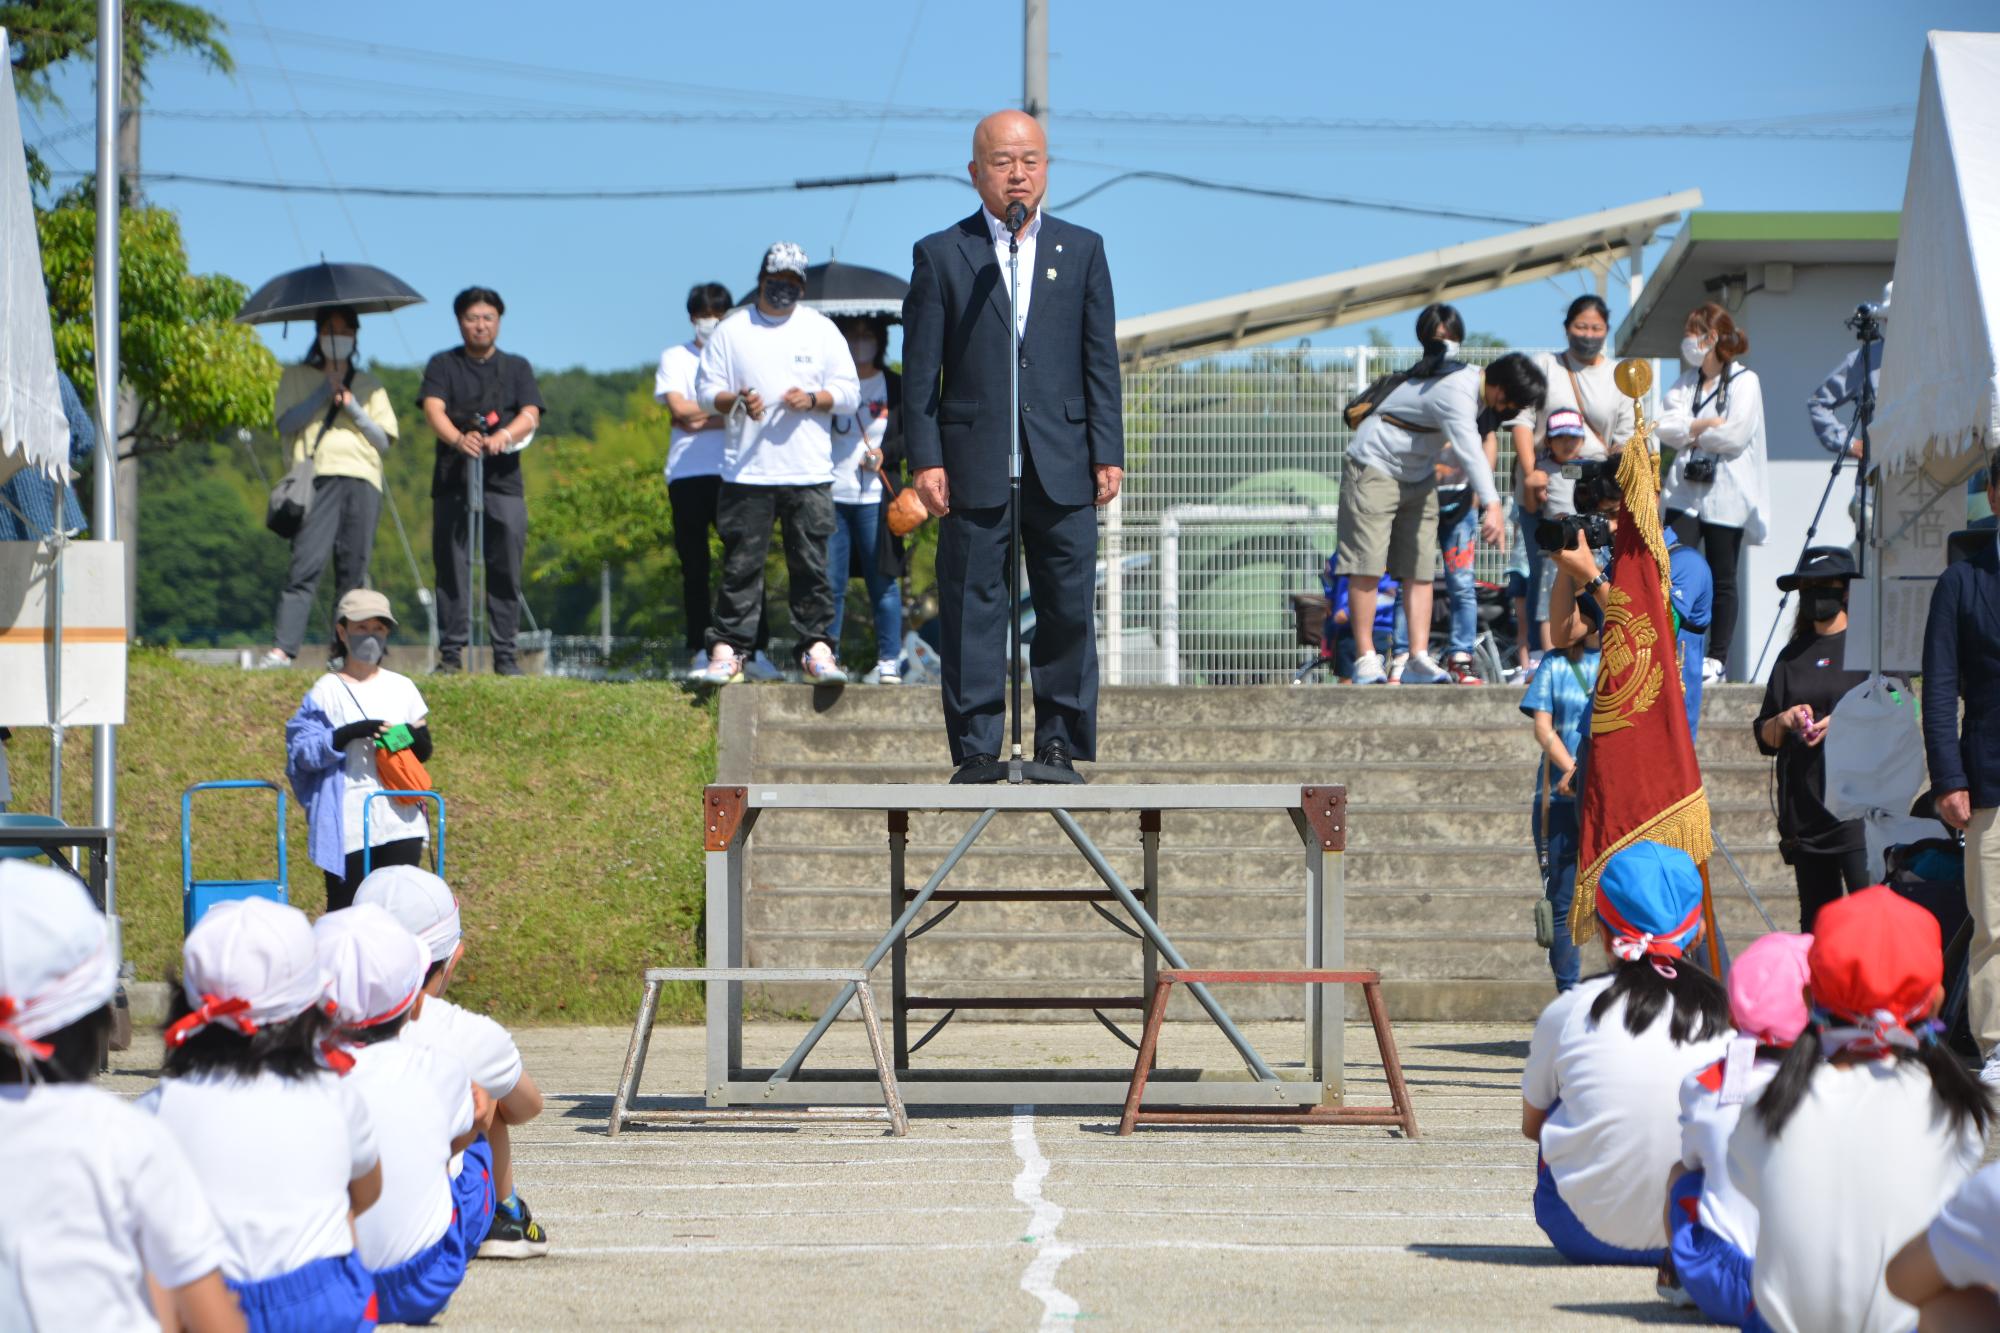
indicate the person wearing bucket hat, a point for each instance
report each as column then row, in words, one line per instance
column 420, row 1235
column 1828, row 856
column 1712, row 1228
column 98, row 1195
column 1606, row 1062
column 425, row 905
column 285, row 1149
column 1866, row 1129
column 333, row 744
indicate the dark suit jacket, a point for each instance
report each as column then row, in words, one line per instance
column 1962, row 660
column 955, row 350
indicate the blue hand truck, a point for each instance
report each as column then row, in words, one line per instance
column 368, row 843
column 198, row 895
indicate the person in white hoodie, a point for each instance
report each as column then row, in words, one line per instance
column 776, row 373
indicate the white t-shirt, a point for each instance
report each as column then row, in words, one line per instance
column 750, row 350
column 690, row 453
column 276, row 1156
column 1965, row 1239
column 97, row 1196
column 420, row 1099
column 485, row 1048
column 386, row 696
column 854, row 434
column 1611, row 1140
column 1706, row 1124
column 1863, row 1165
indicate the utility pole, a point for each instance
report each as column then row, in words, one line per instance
column 1035, row 60
column 104, row 519
column 126, row 485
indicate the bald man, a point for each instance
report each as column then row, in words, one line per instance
column 955, row 399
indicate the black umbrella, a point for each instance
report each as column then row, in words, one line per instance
column 363, row 288
column 834, row 288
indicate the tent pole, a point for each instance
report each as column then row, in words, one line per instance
column 104, row 488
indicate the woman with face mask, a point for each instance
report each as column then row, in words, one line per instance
column 337, row 414
column 347, row 719
column 1714, row 496
column 867, row 443
column 1827, row 855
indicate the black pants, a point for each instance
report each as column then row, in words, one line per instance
column 402, row 852
column 1825, row 876
column 1059, row 544
column 506, row 536
column 1721, row 547
column 693, row 501
column 744, row 515
column 340, row 526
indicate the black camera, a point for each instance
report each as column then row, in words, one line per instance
column 1559, row 534
column 1596, row 489
column 1699, row 469
column 1866, row 321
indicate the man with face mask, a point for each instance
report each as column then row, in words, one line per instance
column 776, row 373
column 694, row 459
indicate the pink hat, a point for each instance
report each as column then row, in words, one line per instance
column 1767, row 985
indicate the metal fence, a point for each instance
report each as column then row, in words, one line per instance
column 1233, row 468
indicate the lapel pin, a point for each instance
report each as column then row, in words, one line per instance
column 1052, row 274
column 1058, row 247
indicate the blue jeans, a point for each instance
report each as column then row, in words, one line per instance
column 1538, row 569
column 855, row 529
column 1559, row 886
column 1460, row 544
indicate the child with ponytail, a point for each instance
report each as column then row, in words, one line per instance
column 1606, row 1062
column 1865, row 1131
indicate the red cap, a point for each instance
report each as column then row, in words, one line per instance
column 1875, row 951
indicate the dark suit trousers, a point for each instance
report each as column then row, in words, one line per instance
column 1060, row 543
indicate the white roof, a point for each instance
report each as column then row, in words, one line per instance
column 1357, row 295
column 33, row 430
column 1940, row 392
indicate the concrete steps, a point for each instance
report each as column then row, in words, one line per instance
column 1440, row 875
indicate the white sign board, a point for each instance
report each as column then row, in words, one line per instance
column 1906, row 605
column 85, row 686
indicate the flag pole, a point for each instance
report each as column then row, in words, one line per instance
column 1708, row 926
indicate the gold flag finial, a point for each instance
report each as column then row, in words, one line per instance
column 1633, row 377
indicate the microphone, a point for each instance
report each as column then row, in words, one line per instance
column 1017, row 216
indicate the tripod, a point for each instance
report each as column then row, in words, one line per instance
column 1017, row 767
column 1869, row 330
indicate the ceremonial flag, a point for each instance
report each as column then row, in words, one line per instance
column 1641, row 780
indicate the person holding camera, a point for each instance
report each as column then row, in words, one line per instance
column 1847, row 382
column 1714, row 495
column 483, row 404
column 1388, row 494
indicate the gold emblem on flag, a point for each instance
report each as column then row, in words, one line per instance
column 1631, row 674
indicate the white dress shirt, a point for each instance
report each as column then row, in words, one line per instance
column 1001, row 236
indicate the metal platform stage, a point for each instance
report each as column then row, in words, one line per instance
column 1318, row 814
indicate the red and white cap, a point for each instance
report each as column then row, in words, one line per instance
column 247, row 965
column 421, row 901
column 1877, row 965
column 374, row 966
column 56, row 964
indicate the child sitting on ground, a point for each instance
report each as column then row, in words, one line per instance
column 422, row 1232
column 99, row 1198
column 1868, row 1126
column 1950, row 1270
column 1607, row 1059
column 1712, row 1228
column 285, row 1150
column 427, row 909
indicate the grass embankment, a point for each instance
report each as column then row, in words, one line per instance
column 573, row 837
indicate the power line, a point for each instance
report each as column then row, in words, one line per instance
column 1297, row 196
column 536, row 195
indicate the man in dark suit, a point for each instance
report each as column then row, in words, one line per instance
column 1962, row 661
column 955, row 360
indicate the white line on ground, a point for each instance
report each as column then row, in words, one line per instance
column 1044, row 1217
column 1168, row 1243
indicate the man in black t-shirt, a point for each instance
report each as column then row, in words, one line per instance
column 483, row 404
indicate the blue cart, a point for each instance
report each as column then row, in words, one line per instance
column 198, row 895
column 368, row 843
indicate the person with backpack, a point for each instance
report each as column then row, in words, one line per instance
column 1404, row 426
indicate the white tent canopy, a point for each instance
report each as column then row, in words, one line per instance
column 1940, row 393
column 1295, row 309
column 33, row 430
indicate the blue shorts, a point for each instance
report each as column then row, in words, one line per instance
column 417, row 1290
column 325, row 1295
column 1568, row 1235
column 1713, row 1272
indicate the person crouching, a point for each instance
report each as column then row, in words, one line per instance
column 419, row 1237
column 1607, row 1060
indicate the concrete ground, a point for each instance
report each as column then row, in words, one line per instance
column 1019, row 1218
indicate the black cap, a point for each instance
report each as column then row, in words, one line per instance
column 1820, row 562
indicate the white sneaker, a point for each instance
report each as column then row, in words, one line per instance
column 1368, row 670
column 1989, row 1073
column 821, row 667
column 1712, row 671
column 274, row 659
column 1421, row 670
column 700, row 662
column 888, row 671
column 1396, row 665
column 724, row 667
column 761, row 667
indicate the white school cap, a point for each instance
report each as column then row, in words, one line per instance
column 374, row 967
column 247, row 965
column 55, row 957
column 418, row 899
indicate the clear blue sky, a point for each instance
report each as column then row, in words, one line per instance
column 601, row 284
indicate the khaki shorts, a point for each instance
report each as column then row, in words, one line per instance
column 1387, row 526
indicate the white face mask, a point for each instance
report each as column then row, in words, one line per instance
column 864, row 350
column 704, row 328
column 1693, row 350
column 1450, row 349
column 336, row 346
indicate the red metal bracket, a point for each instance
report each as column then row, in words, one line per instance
column 1325, row 809
column 722, row 810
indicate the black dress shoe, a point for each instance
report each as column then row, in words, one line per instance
column 506, row 666
column 1055, row 754
column 977, row 768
